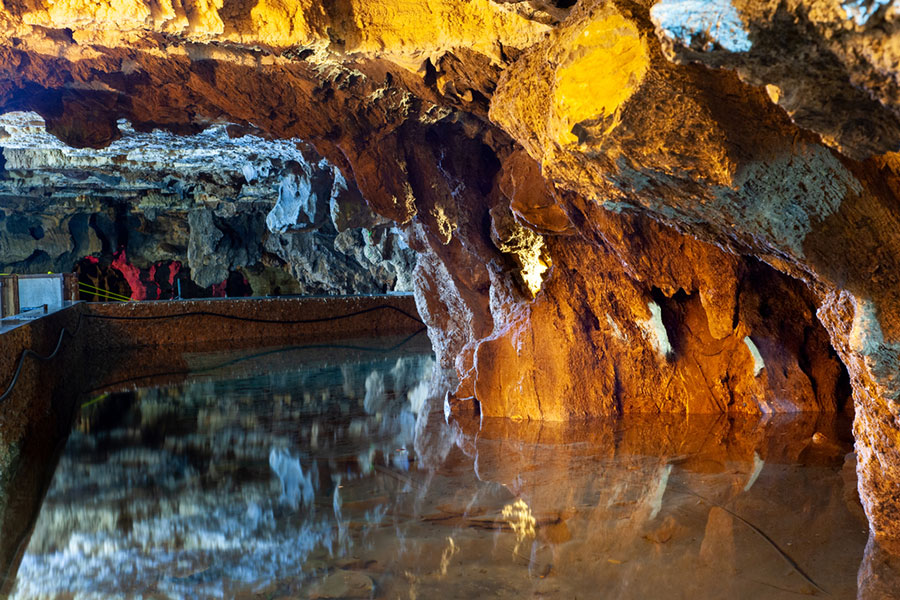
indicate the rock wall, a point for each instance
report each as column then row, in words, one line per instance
column 618, row 206
column 720, row 161
column 225, row 210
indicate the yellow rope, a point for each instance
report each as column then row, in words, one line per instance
column 102, row 293
column 99, row 398
column 87, row 285
column 93, row 287
column 103, row 296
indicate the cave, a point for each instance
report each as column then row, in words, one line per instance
column 452, row 298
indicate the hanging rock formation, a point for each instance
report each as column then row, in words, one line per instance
column 618, row 206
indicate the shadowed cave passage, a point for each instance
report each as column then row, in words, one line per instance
column 603, row 208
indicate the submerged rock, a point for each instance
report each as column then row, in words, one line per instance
column 344, row 584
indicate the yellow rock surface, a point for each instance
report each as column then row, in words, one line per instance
column 403, row 30
column 606, row 62
column 75, row 13
column 583, row 73
column 414, row 27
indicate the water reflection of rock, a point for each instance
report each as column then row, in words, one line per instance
column 879, row 573
column 205, row 489
column 719, row 502
column 184, row 492
column 296, row 487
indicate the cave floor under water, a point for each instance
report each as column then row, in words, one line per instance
column 339, row 476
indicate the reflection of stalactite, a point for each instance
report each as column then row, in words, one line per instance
column 521, row 521
column 447, row 555
column 296, row 487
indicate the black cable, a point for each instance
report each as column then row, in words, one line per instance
column 29, row 352
column 240, row 359
column 204, row 313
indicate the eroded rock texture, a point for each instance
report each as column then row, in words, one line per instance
column 618, row 206
column 223, row 210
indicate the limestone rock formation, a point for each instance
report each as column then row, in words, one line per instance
column 734, row 170
column 616, row 205
column 212, row 206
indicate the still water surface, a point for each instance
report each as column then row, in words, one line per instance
column 339, row 476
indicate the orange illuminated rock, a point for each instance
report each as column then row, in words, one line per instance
column 604, row 222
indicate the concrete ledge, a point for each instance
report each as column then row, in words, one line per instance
column 34, row 418
column 106, row 352
column 202, row 324
column 176, row 322
column 37, row 379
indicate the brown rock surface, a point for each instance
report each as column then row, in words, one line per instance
column 344, row 584
column 635, row 467
column 604, row 224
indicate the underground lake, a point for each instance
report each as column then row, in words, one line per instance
column 334, row 471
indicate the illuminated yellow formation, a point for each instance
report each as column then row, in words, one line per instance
column 282, row 22
column 606, row 63
column 405, row 31
column 415, row 27
column 75, row 13
column 521, row 521
column 574, row 84
column 534, row 264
